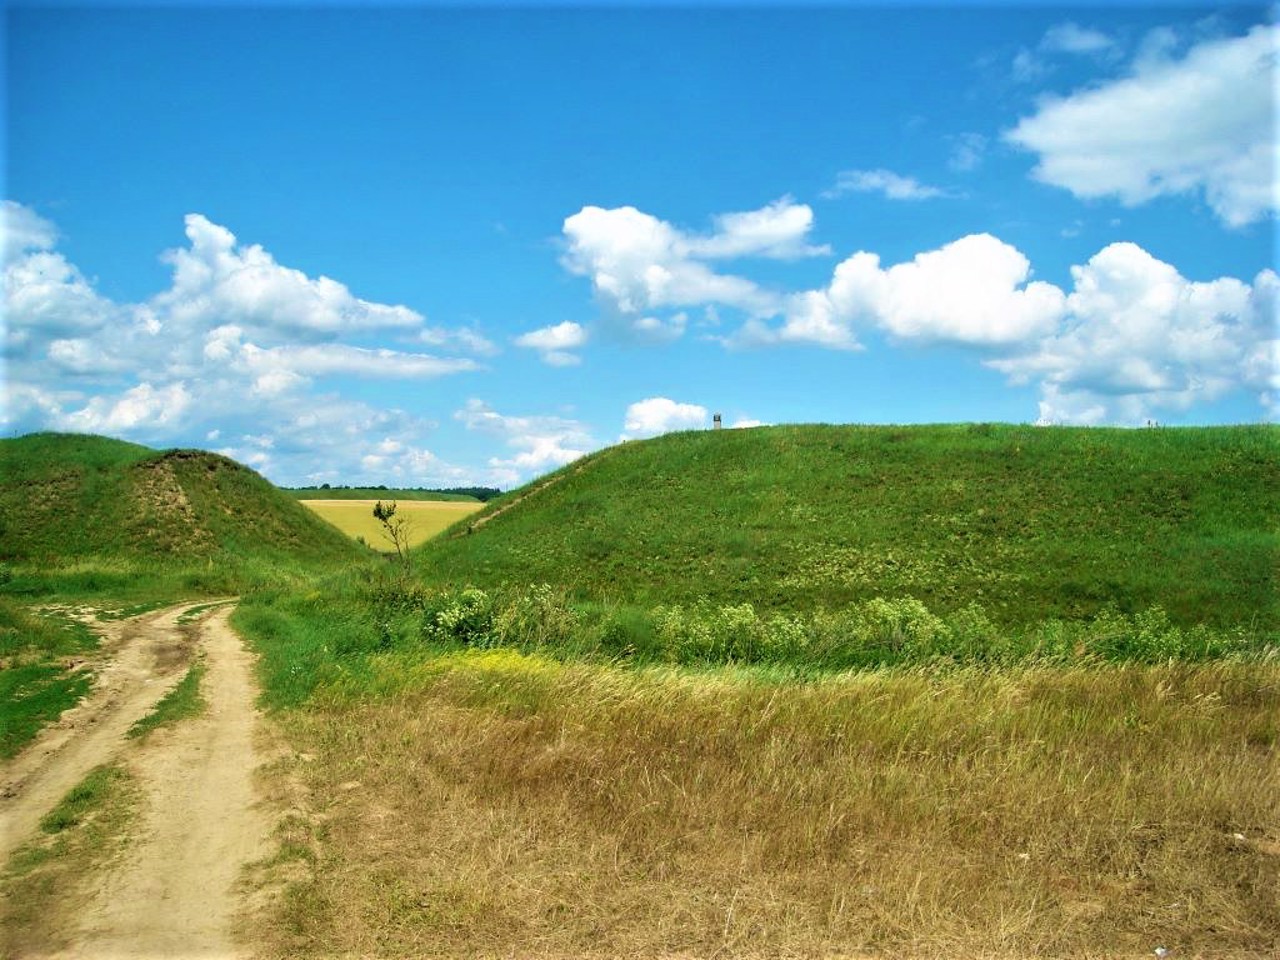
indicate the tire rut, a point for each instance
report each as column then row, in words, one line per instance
column 173, row 893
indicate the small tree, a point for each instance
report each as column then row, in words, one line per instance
column 396, row 527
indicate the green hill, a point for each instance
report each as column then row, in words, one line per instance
column 70, row 499
column 1028, row 522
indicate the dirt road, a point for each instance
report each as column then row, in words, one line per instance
column 173, row 894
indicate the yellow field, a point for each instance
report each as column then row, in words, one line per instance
column 426, row 518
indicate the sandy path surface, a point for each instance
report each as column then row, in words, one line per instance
column 173, row 894
column 145, row 657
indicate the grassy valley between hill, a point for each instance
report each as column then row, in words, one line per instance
column 980, row 691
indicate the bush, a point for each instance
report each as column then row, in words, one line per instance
column 466, row 618
column 904, row 627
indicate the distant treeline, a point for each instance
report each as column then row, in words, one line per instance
column 340, row 492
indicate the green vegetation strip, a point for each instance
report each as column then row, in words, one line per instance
column 42, row 674
column 81, row 800
column 183, row 701
column 38, row 886
column 333, row 634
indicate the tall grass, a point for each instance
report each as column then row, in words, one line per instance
column 332, row 630
column 491, row 803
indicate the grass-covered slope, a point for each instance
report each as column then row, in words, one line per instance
column 72, row 499
column 1028, row 522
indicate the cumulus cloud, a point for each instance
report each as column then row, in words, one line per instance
column 885, row 182
column 144, row 405
column 1201, row 124
column 22, row 230
column 556, row 343
column 541, row 443
column 236, row 336
column 1139, row 338
column 45, row 296
column 975, row 290
column 639, row 264
column 215, row 279
column 778, row 231
column 656, row 415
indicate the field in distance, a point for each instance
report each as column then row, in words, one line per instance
column 426, row 517
column 462, row 494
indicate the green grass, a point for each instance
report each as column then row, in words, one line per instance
column 85, row 516
column 183, row 701
column 81, row 800
column 40, row 676
column 804, row 691
column 1030, row 523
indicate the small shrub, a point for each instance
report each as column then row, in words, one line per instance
column 466, row 618
column 903, row 627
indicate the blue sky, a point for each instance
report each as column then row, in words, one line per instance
column 431, row 245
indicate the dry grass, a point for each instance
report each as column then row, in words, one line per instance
column 426, row 518
column 489, row 804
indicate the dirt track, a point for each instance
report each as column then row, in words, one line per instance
column 173, row 894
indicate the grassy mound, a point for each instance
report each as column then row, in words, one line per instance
column 1031, row 523
column 73, row 502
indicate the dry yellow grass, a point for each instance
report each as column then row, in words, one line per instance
column 426, row 518
column 496, row 805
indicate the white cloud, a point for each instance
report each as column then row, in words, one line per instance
column 639, row 264
column 462, row 339
column 778, row 231
column 1139, row 338
column 22, row 230
column 656, row 415
column 745, row 423
column 541, row 443
column 1072, row 38
column 144, row 406
column 1204, row 123
column 1069, row 39
column 556, row 343
column 236, row 341
column 46, row 297
column 660, row 330
column 216, row 280
column 974, row 290
column 891, row 185
column 332, row 359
